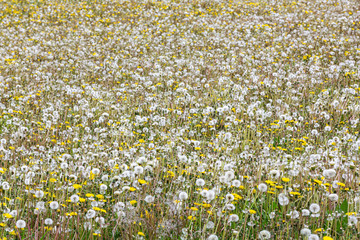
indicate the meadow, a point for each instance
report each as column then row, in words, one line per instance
column 181, row 119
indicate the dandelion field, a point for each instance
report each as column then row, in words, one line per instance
column 179, row 119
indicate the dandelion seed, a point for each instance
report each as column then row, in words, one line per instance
column 314, row 208
column 149, row 199
column 200, row 182
column 236, row 183
column 210, row 225
column 262, row 187
column 333, row 197
column 229, row 197
column 212, row 237
column 275, row 173
column 48, row 221
column 20, row 224
column 305, row 232
column 313, row 237
column 233, row 218
column 330, row 173
column 305, row 212
column 210, row 195
column 264, row 234
column 283, row 200
column 90, row 214
column 54, row 205
column 183, row 196
column 74, row 198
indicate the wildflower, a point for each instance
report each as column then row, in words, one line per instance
column 90, row 214
column 183, row 196
column 138, row 170
column 262, row 187
column 305, row 232
column 283, row 200
column 48, row 221
column 141, row 234
column 294, row 214
column 264, row 234
column 236, row 183
column 333, row 197
column 229, row 197
column 54, row 205
column 149, row 199
column 275, row 173
column 74, row 198
column 233, row 218
column 210, row 225
column 200, row 182
column 330, row 173
column 352, row 220
column 210, row 195
column 305, row 212
column 103, row 187
column 39, row 194
column 314, row 208
column 285, row 179
column 313, row 237
column 212, row 237
column 20, row 223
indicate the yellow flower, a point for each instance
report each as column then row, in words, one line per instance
column 132, row 189
column 341, row 184
column 327, row 238
column 89, row 195
column 7, row 215
column 52, row 180
column 133, row 202
column 350, row 213
column 141, row 234
column 252, row 211
column 77, row 186
column 206, row 205
column 141, row 181
column 191, row 217
column 285, row 179
column 194, row 209
column 99, row 196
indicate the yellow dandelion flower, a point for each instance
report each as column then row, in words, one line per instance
column 141, row 181
column 77, row 186
column 7, row 215
column 285, row 179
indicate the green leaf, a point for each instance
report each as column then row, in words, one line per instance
column 344, row 206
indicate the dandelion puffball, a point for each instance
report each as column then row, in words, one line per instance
column 54, row 205
column 183, row 196
column 264, row 234
column 20, row 224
